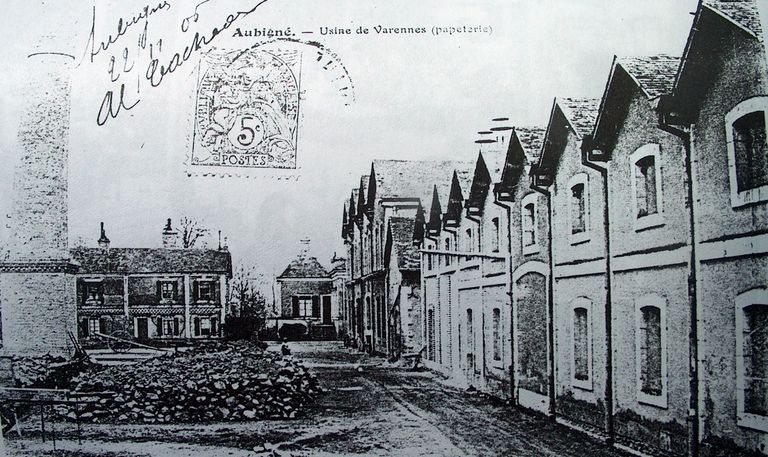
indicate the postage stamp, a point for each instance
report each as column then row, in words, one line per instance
column 247, row 109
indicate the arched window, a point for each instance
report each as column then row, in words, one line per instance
column 528, row 208
column 495, row 234
column 645, row 173
column 578, row 208
column 431, row 334
column 752, row 359
column 651, row 346
column 745, row 130
column 497, row 334
column 448, row 248
column 581, row 334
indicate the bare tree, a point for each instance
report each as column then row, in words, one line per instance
column 246, row 290
column 191, row 232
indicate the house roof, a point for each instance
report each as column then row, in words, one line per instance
column 152, row 260
column 524, row 150
column 708, row 39
column 531, row 139
column 742, row 13
column 655, row 75
column 304, row 267
column 400, row 238
column 580, row 113
column 577, row 114
column 412, row 178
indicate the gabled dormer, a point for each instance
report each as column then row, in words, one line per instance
column 352, row 213
column 361, row 200
column 419, row 226
column 523, row 151
column 435, row 222
column 481, row 183
column 455, row 206
column 649, row 76
column 371, row 191
column 344, row 223
column 568, row 116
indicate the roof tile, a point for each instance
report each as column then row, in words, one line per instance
column 655, row 74
column 152, row 260
column 581, row 112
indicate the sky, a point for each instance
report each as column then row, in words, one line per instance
column 412, row 96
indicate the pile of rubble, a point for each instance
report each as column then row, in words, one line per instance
column 44, row 372
column 224, row 383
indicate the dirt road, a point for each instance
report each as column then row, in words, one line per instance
column 369, row 408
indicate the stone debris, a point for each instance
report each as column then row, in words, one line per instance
column 221, row 382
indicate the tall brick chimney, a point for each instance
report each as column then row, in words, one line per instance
column 170, row 236
column 37, row 286
column 103, row 240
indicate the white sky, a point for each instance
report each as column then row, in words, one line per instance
column 417, row 97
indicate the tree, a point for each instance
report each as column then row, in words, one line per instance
column 249, row 317
column 191, row 232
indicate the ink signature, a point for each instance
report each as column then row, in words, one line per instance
column 114, row 102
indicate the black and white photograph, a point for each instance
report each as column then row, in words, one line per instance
column 262, row 228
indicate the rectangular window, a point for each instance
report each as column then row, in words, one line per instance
column 94, row 292
column 650, row 351
column 749, row 143
column 305, row 306
column 205, row 326
column 496, row 334
column 580, row 344
column 578, row 209
column 94, row 325
column 755, row 353
column 167, row 291
column 170, row 327
column 205, row 290
column 645, row 186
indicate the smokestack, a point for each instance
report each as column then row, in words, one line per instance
column 103, row 240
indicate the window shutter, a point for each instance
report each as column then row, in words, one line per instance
column 159, row 291
column 315, row 306
column 175, row 290
column 214, row 329
column 159, row 326
column 197, row 326
column 215, row 291
column 295, row 306
column 176, row 326
column 102, row 325
column 84, row 327
column 195, row 290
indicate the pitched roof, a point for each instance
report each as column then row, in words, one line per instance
column 654, row 74
column 412, row 178
column 531, row 139
column 464, row 174
column 568, row 114
column 152, row 260
column 524, row 150
column 494, row 161
column 743, row 13
column 580, row 112
column 304, row 267
column 401, row 233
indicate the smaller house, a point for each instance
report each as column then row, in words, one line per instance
column 160, row 295
column 306, row 304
